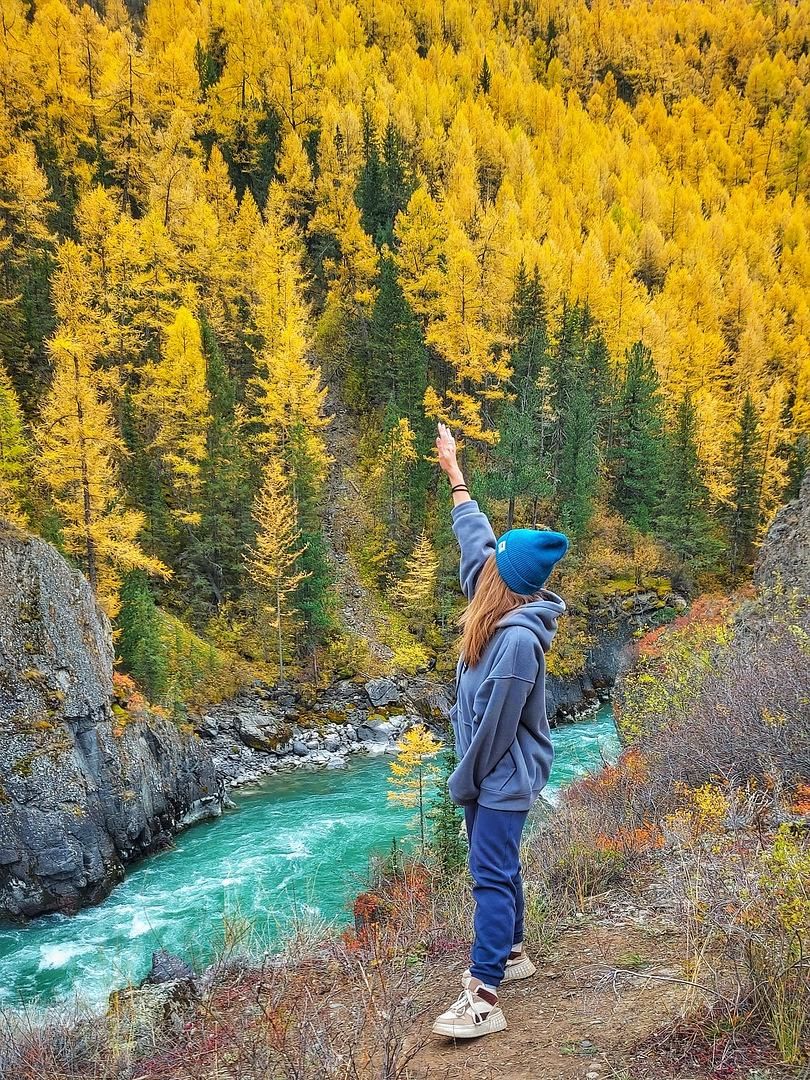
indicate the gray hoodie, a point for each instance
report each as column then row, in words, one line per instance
column 499, row 718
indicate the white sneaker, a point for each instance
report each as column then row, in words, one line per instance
column 475, row 1013
column 518, row 966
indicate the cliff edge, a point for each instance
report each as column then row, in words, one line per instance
column 82, row 791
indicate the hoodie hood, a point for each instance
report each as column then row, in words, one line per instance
column 540, row 616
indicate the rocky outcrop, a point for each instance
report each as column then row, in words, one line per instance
column 83, row 791
column 271, row 729
column 613, row 627
column 785, row 554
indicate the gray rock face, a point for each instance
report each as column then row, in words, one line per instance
column 612, row 652
column 382, row 692
column 785, row 553
column 82, row 792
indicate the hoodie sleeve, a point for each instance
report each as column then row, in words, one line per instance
column 476, row 540
column 497, row 709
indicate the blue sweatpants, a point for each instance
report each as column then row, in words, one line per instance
column 494, row 837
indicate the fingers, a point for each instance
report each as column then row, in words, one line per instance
column 444, row 435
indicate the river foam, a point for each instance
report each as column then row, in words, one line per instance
column 296, row 850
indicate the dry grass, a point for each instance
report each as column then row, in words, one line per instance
column 711, row 805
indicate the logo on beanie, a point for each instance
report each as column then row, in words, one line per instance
column 502, row 546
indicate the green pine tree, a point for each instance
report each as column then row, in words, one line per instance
column 314, row 598
column 798, row 460
column 445, row 818
column 13, row 454
column 397, row 372
column 485, row 78
column 636, row 452
column 217, row 544
column 520, row 465
column 579, row 461
column 684, row 521
column 142, row 648
column 384, row 184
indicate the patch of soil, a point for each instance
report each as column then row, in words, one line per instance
column 605, row 989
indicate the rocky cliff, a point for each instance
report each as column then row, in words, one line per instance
column 785, row 554
column 82, row 791
column 613, row 625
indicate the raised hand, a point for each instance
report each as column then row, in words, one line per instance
column 446, row 449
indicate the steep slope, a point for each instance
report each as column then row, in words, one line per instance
column 343, row 518
column 84, row 789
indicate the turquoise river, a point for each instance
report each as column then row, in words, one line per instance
column 296, row 847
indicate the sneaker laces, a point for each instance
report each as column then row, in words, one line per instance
column 466, row 1002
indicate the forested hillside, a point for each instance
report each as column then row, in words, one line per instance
column 578, row 233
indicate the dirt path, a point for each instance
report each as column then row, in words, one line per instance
column 606, row 987
column 343, row 519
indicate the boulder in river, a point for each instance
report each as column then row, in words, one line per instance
column 83, row 790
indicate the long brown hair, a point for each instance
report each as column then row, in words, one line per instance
column 491, row 601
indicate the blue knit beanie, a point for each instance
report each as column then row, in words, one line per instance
column 526, row 557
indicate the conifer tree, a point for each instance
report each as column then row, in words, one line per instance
column 415, row 592
column 411, row 773
column 745, row 473
column 175, row 398
column 579, row 460
column 684, row 521
column 527, row 325
column 797, row 465
column 13, row 454
column 420, row 233
column 78, row 453
column 272, row 561
column 637, row 449
column 519, row 466
column 397, row 373
column 286, row 388
column 485, row 78
column 140, row 642
column 446, row 841
column 315, row 597
column 393, row 466
column 225, row 497
column 383, row 188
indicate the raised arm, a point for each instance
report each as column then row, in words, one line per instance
column 470, row 525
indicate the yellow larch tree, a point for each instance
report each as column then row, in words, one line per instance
column 421, row 232
column 468, row 342
column 415, row 593
column 174, row 397
column 412, row 773
column 287, row 391
column 272, row 559
column 79, row 450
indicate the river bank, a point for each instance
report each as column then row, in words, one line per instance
column 294, row 849
column 93, row 778
column 268, row 730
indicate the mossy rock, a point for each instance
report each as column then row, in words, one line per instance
column 24, row 767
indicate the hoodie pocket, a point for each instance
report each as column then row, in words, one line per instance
column 502, row 775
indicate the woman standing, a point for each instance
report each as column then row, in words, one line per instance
column 502, row 734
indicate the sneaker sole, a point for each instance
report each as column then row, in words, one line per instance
column 486, row 1027
column 524, row 970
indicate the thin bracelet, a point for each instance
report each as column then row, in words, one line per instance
column 460, row 487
